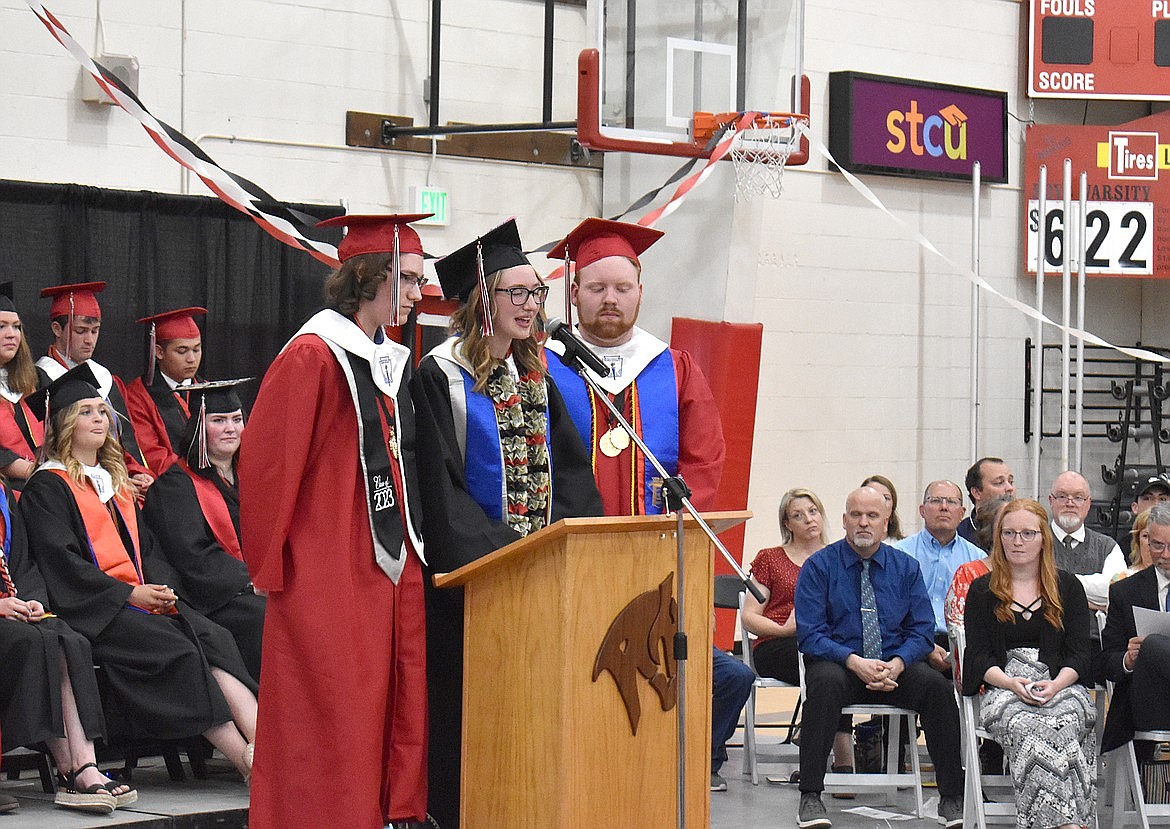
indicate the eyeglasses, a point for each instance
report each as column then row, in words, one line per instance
column 1023, row 535
column 938, row 501
column 408, row 280
column 1064, row 496
column 1157, row 547
column 519, row 294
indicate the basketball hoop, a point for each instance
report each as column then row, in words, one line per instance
column 760, row 152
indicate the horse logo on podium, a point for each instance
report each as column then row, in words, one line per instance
column 639, row 641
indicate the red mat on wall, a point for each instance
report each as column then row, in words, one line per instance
column 729, row 355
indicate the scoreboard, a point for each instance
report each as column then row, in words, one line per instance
column 1115, row 49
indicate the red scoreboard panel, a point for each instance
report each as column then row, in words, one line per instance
column 1118, row 49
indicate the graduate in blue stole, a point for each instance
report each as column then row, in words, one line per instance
column 498, row 458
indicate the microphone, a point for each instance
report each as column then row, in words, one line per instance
column 575, row 347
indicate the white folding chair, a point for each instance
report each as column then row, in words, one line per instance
column 750, row 747
column 890, row 780
column 977, row 807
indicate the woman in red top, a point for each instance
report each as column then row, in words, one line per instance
column 775, row 571
column 21, row 434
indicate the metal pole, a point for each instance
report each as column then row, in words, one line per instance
column 697, row 79
column 1037, row 368
column 631, row 58
column 436, row 27
column 798, row 102
column 976, row 178
column 741, row 35
column 1081, row 234
column 549, row 9
column 1066, row 254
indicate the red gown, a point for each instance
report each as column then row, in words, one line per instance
column 156, row 432
column 341, row 738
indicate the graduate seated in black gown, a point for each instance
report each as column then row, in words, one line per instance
column 171, row 673
column 40, row 702
column 193, row 508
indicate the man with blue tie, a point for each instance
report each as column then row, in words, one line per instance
column 865, row 626
column 1140, row 666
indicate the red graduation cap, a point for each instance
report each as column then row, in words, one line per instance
column 596, row 239
column 175, row 325
column 375, row 234
column 76, row 300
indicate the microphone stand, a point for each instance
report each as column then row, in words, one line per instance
column 676, row 498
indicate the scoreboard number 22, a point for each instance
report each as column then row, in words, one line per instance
column 1119, row 237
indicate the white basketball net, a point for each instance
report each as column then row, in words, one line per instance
column 759, row 154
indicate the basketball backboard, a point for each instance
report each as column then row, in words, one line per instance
column 660, row 61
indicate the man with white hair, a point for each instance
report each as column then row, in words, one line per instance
column 1094, row 557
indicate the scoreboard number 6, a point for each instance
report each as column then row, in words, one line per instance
column 1119, row 237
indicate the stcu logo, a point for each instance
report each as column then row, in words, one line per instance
column 639, row 642
column 943, row 132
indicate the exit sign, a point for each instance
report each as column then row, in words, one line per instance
column 432, row 200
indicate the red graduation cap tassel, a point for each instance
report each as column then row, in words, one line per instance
column 152, row 339
column 566, row 283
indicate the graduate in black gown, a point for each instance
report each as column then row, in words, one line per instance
column 48, row 691
column 194, row 511
column 171, row 672
column 482, row 396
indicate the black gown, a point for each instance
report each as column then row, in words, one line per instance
column 457, row 532
column 156, row 667
column 30, row 660
column 214, row 582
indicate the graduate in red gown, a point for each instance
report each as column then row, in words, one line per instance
column 157, row 401
column 75, row 319
column 21, row 433
column 330, row 532
column 658, row 389
column 499, row 459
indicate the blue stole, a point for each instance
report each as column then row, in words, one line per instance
column 7, row 523
column 483, row 462
column 656, row 415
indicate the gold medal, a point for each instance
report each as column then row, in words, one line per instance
column 619, row 438
column 606, row 445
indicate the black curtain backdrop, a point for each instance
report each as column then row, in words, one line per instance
column 156, row 252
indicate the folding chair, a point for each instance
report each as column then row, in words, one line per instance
column 892, row 778
column 727, row 587
column 1127, row 779
column 977, row 808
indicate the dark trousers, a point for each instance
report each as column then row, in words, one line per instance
column 1147, row 688
column 831, row 686
column 731, row 684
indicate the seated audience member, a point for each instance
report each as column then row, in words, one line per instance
column 21, row 433
column 194, row 511
column 48, row 691
column 987, row 479
column 1140, row 556
column 731, row 684
column 1154, row 490
column 157, row 402
column 1140, row 666
column 775, row 571
column 885, row 488
column 1093, row 557
column 171, row 672
column 986, row 516
column 1028, row 643
column 865, row 627
column 939, row 551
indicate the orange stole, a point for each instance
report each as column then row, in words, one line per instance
column 105, row 542
column 215, row 512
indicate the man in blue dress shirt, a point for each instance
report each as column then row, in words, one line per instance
column 939, row 551
column 865, row 625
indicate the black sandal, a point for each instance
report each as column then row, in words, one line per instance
column 95, row 798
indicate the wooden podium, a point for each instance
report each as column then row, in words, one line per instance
column 545, row 744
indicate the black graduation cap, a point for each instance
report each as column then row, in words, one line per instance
column 212, row 397
column 6, row 303
column 76, row 384
column 499, row 248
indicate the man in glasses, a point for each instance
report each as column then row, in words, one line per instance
column 1094, row 557
column 940, row 551
column 1140, row 666
column 659, row 389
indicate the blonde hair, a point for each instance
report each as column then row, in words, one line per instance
column 467, row 327
column 790, row 496
column 59, row 447
column 1001, row 572
column 1135, row 538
